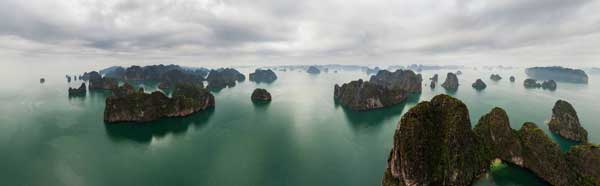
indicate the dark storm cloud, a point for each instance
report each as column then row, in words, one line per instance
column 297, row 28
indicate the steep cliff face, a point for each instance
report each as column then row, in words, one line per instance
column 362, row 95
column 564, row 122
column 406, row 80
column 451, row 82
column 434, row 145
column 260, row 75
column 143, row 107
column 543, row 157
column 501, row 141
column 585, row 162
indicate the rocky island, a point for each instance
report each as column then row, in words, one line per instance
column 42, row 80
column 512, row 78
column 142, row 107
column 434, row 81
column 435, row 145
column 558, row 73
column 479, row 85
column 81, row 91
column 313, row 70
column 363, row 95
column 400, row 79
column 549, row 84
column 451, row 82
column 383, row 89
column 495, row 77
column 260, row 75
column 564, row 122
column 260, row 94
column 531, row 83
column 97, row 82
column 221, row 78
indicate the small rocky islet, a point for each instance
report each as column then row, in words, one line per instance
column 434, row 144
column 451, row 82
column 263, row 76
column 496, row 77
column 479, row 85
column 260, row 94
column 533, row 83
column 313, row 70
column 81, row 91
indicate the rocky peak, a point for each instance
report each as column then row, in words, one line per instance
column 406, row 80
column 434, row 145
column 451, row 82
column 564, row 122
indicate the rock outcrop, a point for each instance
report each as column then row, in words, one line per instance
column 549, row 84
column 531, row 83
column 260, row 94
column 42, row 80
column 406, row 80
column 68, row 78
column 451, row 82
column 313, row 70
column 543, row 156
column 81, row 91
column 260, row 75
column 125, row 90
column 434, row 78
column 434, row 145
column 584, row 161
column 142, row 107
column 501, row 141
column 495, row 77
column 558, row 73
column 564, row 122
column 512, row 78
column 363, row 95
column 432, row 84
column 97, row 82
column 221, row 78
column 479, row 85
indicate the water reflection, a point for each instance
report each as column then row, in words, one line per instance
column 362, row 119
column 260, row 105
column 143, row 133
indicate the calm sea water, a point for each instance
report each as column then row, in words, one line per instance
column 301, row 138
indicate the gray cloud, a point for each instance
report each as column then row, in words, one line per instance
column 288, row 28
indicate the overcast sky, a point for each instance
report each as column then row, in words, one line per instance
column 238, row 32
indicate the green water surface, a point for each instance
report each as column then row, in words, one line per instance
column 300, row 138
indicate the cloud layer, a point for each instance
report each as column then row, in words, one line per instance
column 519, row 31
